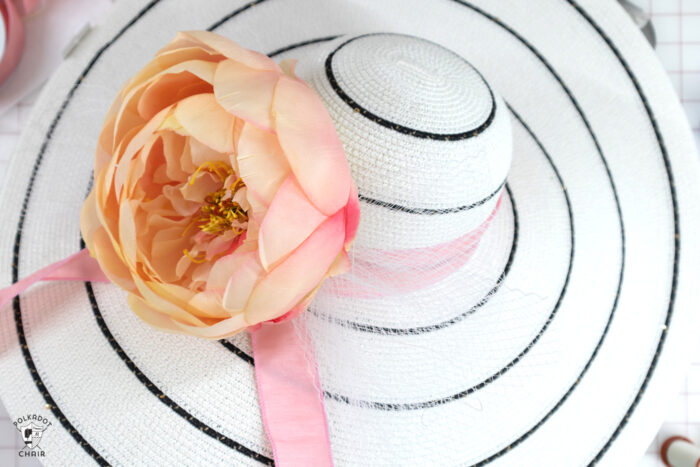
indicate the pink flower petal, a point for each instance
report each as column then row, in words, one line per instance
column 242, row 281
column 140, row 170
column 289, row 221
column 288, row 65
column 286, row 285
column 105, row 142
column 111, row 262
column 230, row 49
column 261, row 163
column 173, row 146
column 166, row 301
column 163, row 257
column 208, row 304
column 224, row 328
column 224, row 267
column 200, row 153
column 312, row 146
column 246, row 92
column 127, row 233
column 174, row 84
column 204, row 184
column 299, row 308
column 119, row 169
column 341, row 265
column 168, row 58
column 156, row 319
column 181, row 303
column 182, row 48
column 352, row 216
column 204, row 119
column 126, row 119
column 89, row 222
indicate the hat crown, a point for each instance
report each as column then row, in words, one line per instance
column 410, row 84
column 427, row 139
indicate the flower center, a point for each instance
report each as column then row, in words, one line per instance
column 219, row 213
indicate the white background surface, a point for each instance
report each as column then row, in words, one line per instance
column 677, row 24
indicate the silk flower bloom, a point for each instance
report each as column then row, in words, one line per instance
column 222, row 196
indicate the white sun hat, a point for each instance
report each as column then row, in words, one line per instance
column 549, row 130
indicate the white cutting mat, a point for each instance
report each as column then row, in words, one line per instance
column 677, row 24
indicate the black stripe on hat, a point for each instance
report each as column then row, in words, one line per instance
column 428, row 211
column 395, row 126
column 676, row 228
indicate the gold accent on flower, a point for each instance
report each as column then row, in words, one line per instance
column 199, row 259
column 221, row 169
column 219, row 212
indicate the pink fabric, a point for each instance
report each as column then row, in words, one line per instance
column 400, row 271
column 12, row 12
column 290, row 396
column 77, row 267
column 27, row 6
column 14, row 41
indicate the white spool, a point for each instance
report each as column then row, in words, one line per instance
column 680, row 452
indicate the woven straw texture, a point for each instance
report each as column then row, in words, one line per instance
column 551, row 345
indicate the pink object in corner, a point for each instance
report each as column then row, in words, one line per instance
column 12, row 14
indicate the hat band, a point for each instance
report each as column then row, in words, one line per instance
column 79, row 266
column 289, row 391
column 378, row 273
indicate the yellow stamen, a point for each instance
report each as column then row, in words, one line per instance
column 198, row 259
column 219, row 212
column 216, row 167
column 234, row 186
column 189, row 226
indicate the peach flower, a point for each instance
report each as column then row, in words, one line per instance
column 222, row 196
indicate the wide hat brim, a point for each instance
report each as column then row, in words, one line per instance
column 601, row 216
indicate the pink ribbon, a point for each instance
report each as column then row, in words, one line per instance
column 388, row 272
column 290, row 396
column 79, row 266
